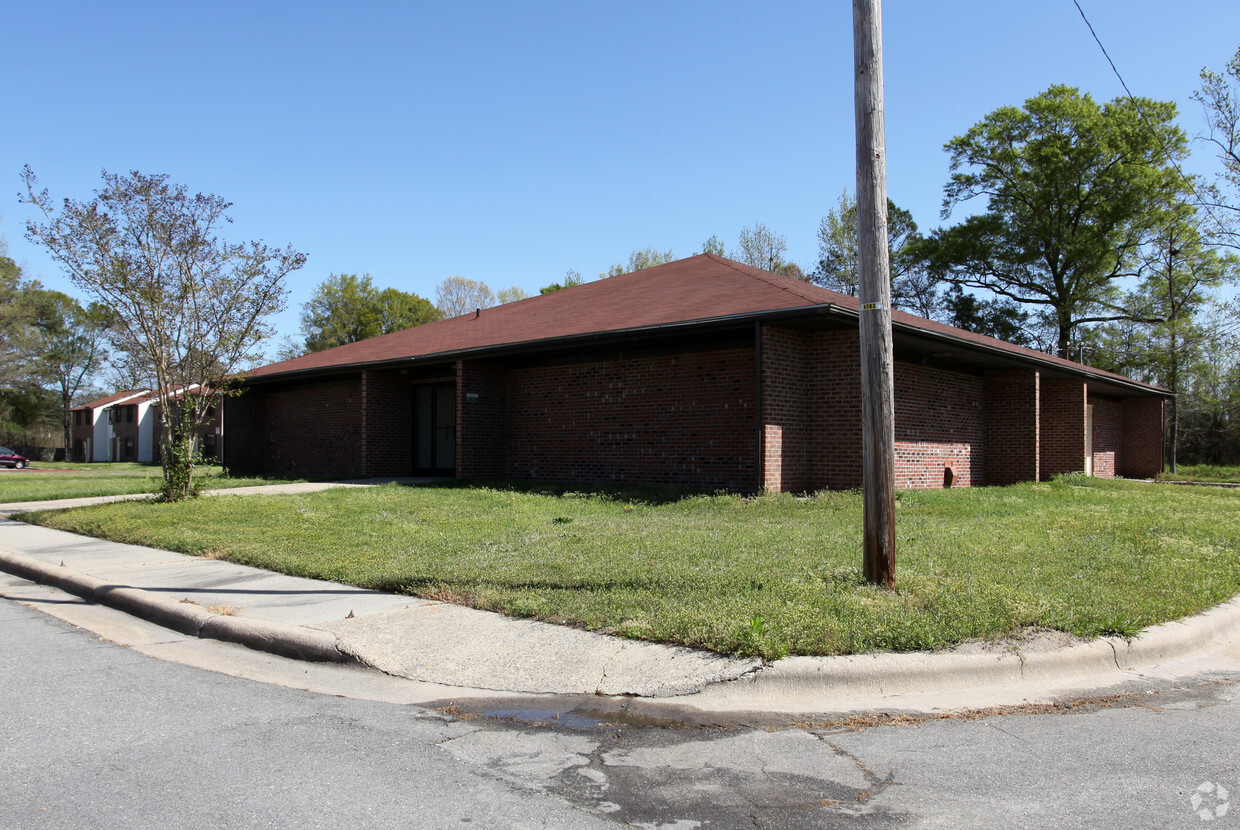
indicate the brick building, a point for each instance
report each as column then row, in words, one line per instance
column 112, row 428
column 700, row 373
column 126, row 426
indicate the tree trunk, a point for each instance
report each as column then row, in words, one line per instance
column 67, row 418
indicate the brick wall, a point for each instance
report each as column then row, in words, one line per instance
column 811, row 412
column 386, row 424
column 785, row 387
column 481, row 414
column 833, row 401
column 125, row 429
column 314, row 431
column 1011, row 410
column 1141, row 440
column 1062, row 435
column 938, row 425
column 1108, row 436
column 684, row 419
column 245, row 437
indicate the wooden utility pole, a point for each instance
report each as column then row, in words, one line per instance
column 877, row 395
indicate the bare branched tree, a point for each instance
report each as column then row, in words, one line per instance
column 192, row 304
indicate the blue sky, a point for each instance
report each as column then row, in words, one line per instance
column 511, row 142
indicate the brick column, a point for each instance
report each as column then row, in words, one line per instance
column 1011, row 406
column 1063, row 427
column 784, row 444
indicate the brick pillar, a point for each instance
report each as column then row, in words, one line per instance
column 1062, row 427
column 1141, row 444
column 1011, row 405
column 481, row 419
column 245, row 440
column 784, row 444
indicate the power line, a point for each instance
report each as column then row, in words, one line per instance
column 1222, row 226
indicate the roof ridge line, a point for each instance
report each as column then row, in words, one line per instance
column 761, row 275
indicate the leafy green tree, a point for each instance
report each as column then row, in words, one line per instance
column 912, row 288
column 457, row 295
column 19, row 344
column 761, row 247
column 1182, row 271
column 570, row 279
column 73, row 341
column 192, row 304
column 24, row 412
column 346, row 308
column 714, row 245
column 1209, row 399
column 639, row 260
column 1072, row 191
column 511, row 295
column 996, row 318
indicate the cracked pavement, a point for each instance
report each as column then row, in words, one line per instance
column 1133, row 759
column 103, row 736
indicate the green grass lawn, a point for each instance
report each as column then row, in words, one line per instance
column 100, row 479
column 768, row 575
column 1203, row 472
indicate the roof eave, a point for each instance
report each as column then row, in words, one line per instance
column 834, row 310
column 551, row 343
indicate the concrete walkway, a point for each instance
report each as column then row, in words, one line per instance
column 445, row 644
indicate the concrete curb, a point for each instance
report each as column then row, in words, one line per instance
column 919, row 672
column 812, row 680
column 186, row 618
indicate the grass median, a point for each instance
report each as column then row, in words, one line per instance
column 768, row 575
column 60, row 480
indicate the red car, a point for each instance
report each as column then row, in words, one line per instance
column 8, row 458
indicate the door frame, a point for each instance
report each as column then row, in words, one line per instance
column 436, row 389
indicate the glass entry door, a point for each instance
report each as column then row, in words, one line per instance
column 434, row 425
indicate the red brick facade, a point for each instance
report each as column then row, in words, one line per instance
column 787, row 399
column 1108, row 421
column 939, row 427
column 1063, row 427
column 246, row 420
column 386, row 424
column 1141, row 438
column 777, row 409
column 811, row 414
column 684, row 419
column 313, row 430
column 1012, row 411
column 481, row 426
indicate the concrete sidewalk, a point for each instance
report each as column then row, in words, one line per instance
column 467, row 649
column 311, row 619
column 14, row 507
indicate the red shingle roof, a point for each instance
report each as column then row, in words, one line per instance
column 111, row 399
column 702, row 287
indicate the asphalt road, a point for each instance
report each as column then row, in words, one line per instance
column 100, row 736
